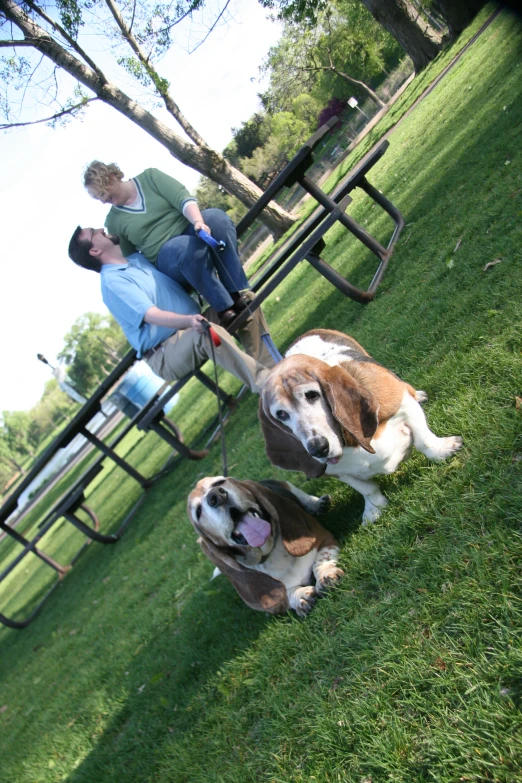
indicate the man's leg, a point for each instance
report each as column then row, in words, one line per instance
column 250, row 336
column 187, row 350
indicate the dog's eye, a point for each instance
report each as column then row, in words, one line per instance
column 198, row 512
column 312, row 395
column 282, row 415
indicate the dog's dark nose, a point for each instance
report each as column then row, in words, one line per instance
column 217, row 497
column 318, row 446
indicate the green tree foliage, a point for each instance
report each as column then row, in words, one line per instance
column 92, row 348
column 408, row 21
column 345, row 53
column 15, row 434
column 252, row 134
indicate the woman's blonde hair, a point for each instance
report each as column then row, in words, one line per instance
column 99, row 175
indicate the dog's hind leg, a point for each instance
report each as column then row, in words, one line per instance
column 310, row 503
column 424, row 439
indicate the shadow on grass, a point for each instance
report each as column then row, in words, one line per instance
column 182, row 662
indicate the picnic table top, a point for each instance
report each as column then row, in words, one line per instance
column 73, row 428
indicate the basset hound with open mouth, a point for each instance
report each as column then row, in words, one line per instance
column 261, row 535
column 329, row 408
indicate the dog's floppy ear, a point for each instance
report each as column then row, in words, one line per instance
column 258, row 590
column 352, row 406
column 285, row 451
column 300, row 532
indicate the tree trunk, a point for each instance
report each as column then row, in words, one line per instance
column 203, row 159
column 458, row 15
column 402, row 20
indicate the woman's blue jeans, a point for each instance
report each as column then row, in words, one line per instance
column 213, row 274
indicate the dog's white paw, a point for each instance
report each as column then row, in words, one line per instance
column 421, row 396
column 327, row 575
column 444, row 448
column 303, row 600
column 373, row 508
column 323, row 504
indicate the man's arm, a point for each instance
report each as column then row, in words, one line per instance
column 159, row 317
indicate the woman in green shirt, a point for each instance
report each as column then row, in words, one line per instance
column 156, row 214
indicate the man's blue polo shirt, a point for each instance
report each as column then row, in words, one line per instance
column 131, row 288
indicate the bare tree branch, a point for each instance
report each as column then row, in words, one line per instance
column 70, row 110
column 70, row 40
column 26, row 87
column 159, row 83
column 133, row 16
column 203, row 159
column 19, row 42
column 212, row 28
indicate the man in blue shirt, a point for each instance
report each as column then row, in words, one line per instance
column 160, row 320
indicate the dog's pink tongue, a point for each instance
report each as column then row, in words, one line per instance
column 254, row 529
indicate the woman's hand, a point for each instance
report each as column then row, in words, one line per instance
column 200, row 224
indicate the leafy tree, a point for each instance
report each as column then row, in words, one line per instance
column 92, row 348
column 252, row 134
column 66, row 38
column 334, row 108
column 10, row 459
column 307, row 108
column 50, row 411
column 15, row 427
column 209, row 194
column 341, row 54
column 401, row 18
column 288, row 134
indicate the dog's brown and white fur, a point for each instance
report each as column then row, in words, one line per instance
column 288, row 549
column 328, row 407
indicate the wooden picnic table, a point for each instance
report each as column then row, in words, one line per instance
column 307, row 241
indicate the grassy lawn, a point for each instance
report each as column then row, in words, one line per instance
column 141, row 670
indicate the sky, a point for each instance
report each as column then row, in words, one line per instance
column 42, row 198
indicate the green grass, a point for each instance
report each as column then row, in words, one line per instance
column 140, row 669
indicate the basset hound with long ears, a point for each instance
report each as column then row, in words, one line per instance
column 261, row 535
column 329, row 408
